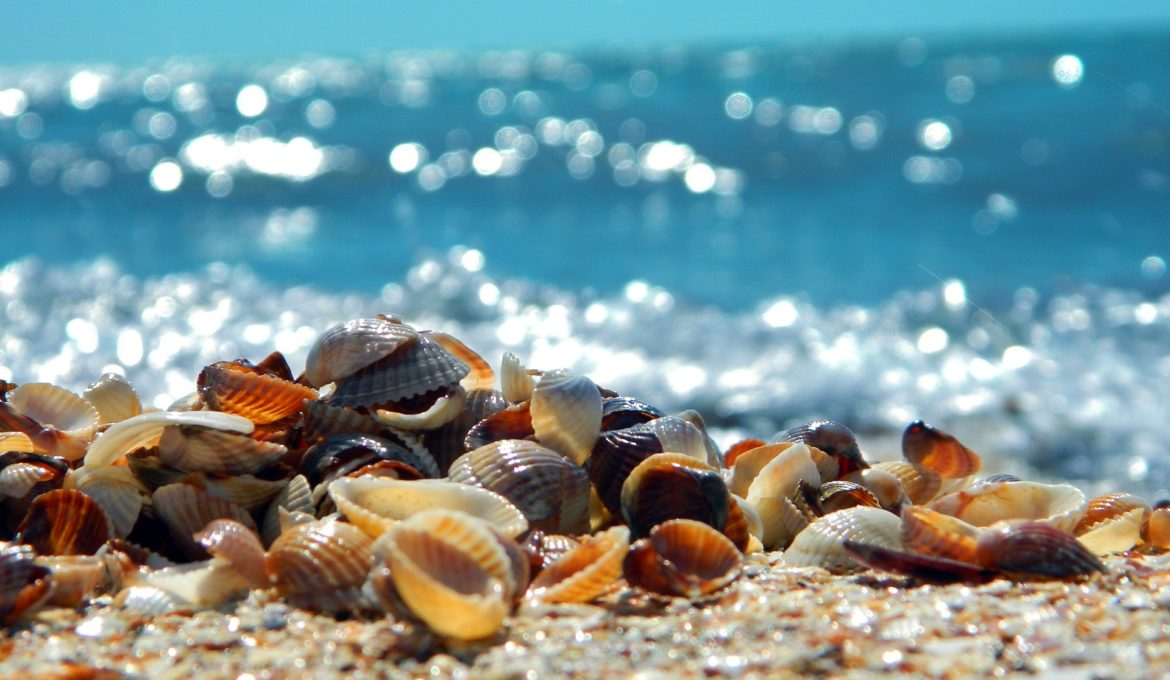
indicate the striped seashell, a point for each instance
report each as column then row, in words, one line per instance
column 186, row 510
column 16, row 442
column 1035, row 549
column 684, row 558
column 821, row 544
column 247, row 491
column 237, row 545
column 323, row 419
column 443, row 410
column 669, row 486
column 114, row 398
column 148, row 602
column 928, row 532
column 931, row 448
column 481, row 376
column 416, row 369
column 23, row 476
column 920, row 485
column 1157, row 529
column 342, row 454
column 831, row 437
column 447, row 443
column 75, row 577
column 513, row 422
column 551, row 491
column 55, row 406
column 747, row 465
column 1112, row 523
column 884, row 486
column 743, row 525
column 24, row 585
column 240, row 389
column 296, row 496
column 516, row 381
column 116, row 489
column 838, row 495
column 1061, row 505
column 618, row 413
column 145, row 430
column 65, row 522
column 376, row 504
column 322, row 566
column 347, row 348
column 544, row 549
column 586, row 572
column 197, row 449
column 566, row 414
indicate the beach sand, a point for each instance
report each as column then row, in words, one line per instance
column 775, row 622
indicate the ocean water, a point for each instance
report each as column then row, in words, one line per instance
column 968, row 230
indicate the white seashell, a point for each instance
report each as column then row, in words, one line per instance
column 445, row 409
column 114, row 398
column 1119, row 534
column 1060, row 505
column 148, row 601
column 516, row 381
column 376, row 503
column 197, row 449
column 714, row 455
column 821, row 543
column 679, row 435
column 774, row 486
column 115, row 489
column 146, row 429
column 75, row 577
column 58, row 408
column 296, row 496
column 205, row 583
column 349, row 347
column 566, row 414
column 17, row 479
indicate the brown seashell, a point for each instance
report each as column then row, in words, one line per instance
column 586, row 572
column 935, row 450
column 448, row 442
column 114, row 398
column 514, row 422
column 16, row 442
column 415, row 369
column 247, row 491
column 24, row 585
column 296, row 496
column 928, row 532
column 481, row 376
column 566, row 414
column 743, row 524
column 682, row 557
column 321, row 565
column 186, row 510
column 838, row 495
column 920, row 485
column 347, row 348
column 65, row 522
column 341, row 454
column 544, row 549
column 1035, row 549
column 75, row 577
column 551, row 491
column 1157, row 529
column 821, row 544
column 884, row 486
column 618, row 413
column 929, row 568
column 323, row 419
column 673, row 486
column 237, row 545
column 240, row 389
column 831, row 437
column 618, row 452
column 23, row 477
column 57, row 407
column 197, row 449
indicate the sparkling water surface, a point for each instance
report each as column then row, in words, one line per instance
column 968, row 231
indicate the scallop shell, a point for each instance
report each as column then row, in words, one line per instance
column 566, row 414
column 75, row 577
column 145, row 430
column 147, row 601
column 821, row 544
column 1060, row 505
column 481, row 376
column 347, row 348
column 451, row 572
column 1035, row 549
column 682, row 557
column 197, row 449
column 551, row 491
column 775, row 485
column 237, row 545
column 114, row 398
column 930, row 532
column 586, row 572
column 296, row 496
column 186, row 510
column 415, row 369
column 259, row 397
column 685, row 433
column 116, row 490
column 322, row 565
column 24, row 585
column 931, row 448
column 65, row 522
column 1112, row 523
column 669, row 486
column 544, row 549
column 18, row 479
column 247, row 491
column 375, row 504
column 516, row 381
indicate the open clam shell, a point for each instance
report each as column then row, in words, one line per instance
column 1061, row 505
column 1112, row 523
column 260, row 397
column 346, row 348
column 322, row 565
column 682, row 557
column 821, row 544
column 55, row 406
column 586, row 572
column 513, row 422
column 566, row 414
column 669, row 486
column 198, row 449
column 65, row 522
column 551, row 490
column 447, row 406
column 376, row 504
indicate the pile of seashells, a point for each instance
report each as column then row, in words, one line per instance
column 394, row 477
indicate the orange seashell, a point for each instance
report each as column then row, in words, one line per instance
column 481, row 376
column 742, row 446
column 682, row 557
column 935, row 450
column 1035, row 549
column 65, row 522
column 262, row 398
column 838, row 495
column 673, row 486
column 586, row 572
column 237, row 545
column 920, row 485
column 513, row 422
column 321, row 565
column 929, row 532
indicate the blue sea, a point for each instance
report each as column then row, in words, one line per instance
column 972, row 230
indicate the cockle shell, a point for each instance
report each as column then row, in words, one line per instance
column 617, row 452
column 839, row 494
column 203, row 583
column 744, row 526
column 55, row 406
column 931, row 448
column 682, row 557
column 448, row 442
column 440, row 412
column 146, row 429
column 186, row 510
column 24, row 585
column 262, row 398
column 17, row 479
column 376, row 504
column 1112, row 523
column 16, row 442
column 197, row 449
column 115, row 489
column 322, row 565
column 516, row 382
column 296, row 496
column 481, row 376
column 618, row 413
column 322, row 419
column 586, row 572
column 551, row 490
column 566, row 414
column 930, row 532
column 831, row 437
column 75, row 577
column 1035, row 549
column 885, row 487
column 1157, row 530
column 821, row 543
column 513, row 422
column 346, row 348
column 114, row 398
column 1061, row 505
column 65, row 522
column 774, row 486
column 920, row 485
column 237, row 545
column 673, row 486
column 342, row 454
column 418, row 368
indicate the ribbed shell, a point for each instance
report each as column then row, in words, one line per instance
column 821, row 543
column 1112, row 523
column 743, row 524
column 831, row 437
column 566, row 414
column 1035, row 549
column 1061, row 505
column 56, row 406
column 515, row 381
column 481, row 375
column 323, row 419
column 347, row 348
column 513, row 422
column 237, row 545
column 882, row 484
column 929, row 532
column 16, row 442
column 838, row 495
column 414, row 369
column 775, row 484
column 296, row 496
column 375, row 504
column 586, row 572
column 17, row 479
column 614, row 456
column 448, row 442
column 197, row 449
column 920, row 485
column 341, row 454
column 114, row 398
column 618, row 413
column 322, row 565
column 443, row 410
column 247, row 491
column 24, row 585
column 682, row 557
column 259, row 397
column 669, row 486
column 551, row 491
column 1158, row 528
column 65, row 522
column 145, row 429
column 186, row 510
column 935, row 450
column 75, row 577
column 116, row 490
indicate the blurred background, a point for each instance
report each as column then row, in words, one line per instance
column 873, row 212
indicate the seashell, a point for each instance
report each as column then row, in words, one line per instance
column 23, row 477
column 618, row 413
column 685, row 433
column 838, row 495
column 146, row 429
column 57, row 407
column 822, row 543
column 322, row 419
column 24, row 585
column 347, row 348
column 747, row 465
column 586, row 572
column 16, row 442
column 481, row 376
column 998, row 477
column 375, row 504
column 566, row 414
column 341, row 454
column 714, row 456
column 743, row 524
column 322, row 565
column 75, row 577
column 296, row 496
column 551, row 491
column 65, row 522
column 742, row 446
column 247, row 491
column 617, row 452
column 417, row 368
column 884, row 486
column 935, row 450
column 446, row 443
column 148, row 468
column 147, row 601
column 516, row 382
column 1035, row 549
column 1112, row 523
column 929, row 532
column 831, row 437
column 775, row 484
column 263, row 398
column 682, row 557
column 918, row 483
column 114, row 398
column 673, row 486
column 116, row 490
column 186, row 510
column 1060, row 505
column 238, row 546
column 544, row 549
column 17, row 479
column 513, row 422
column 929, row 568
column 1157, row 529
column 451, row 572
column 442, row 411
column 197, row 449
column 204, row 583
